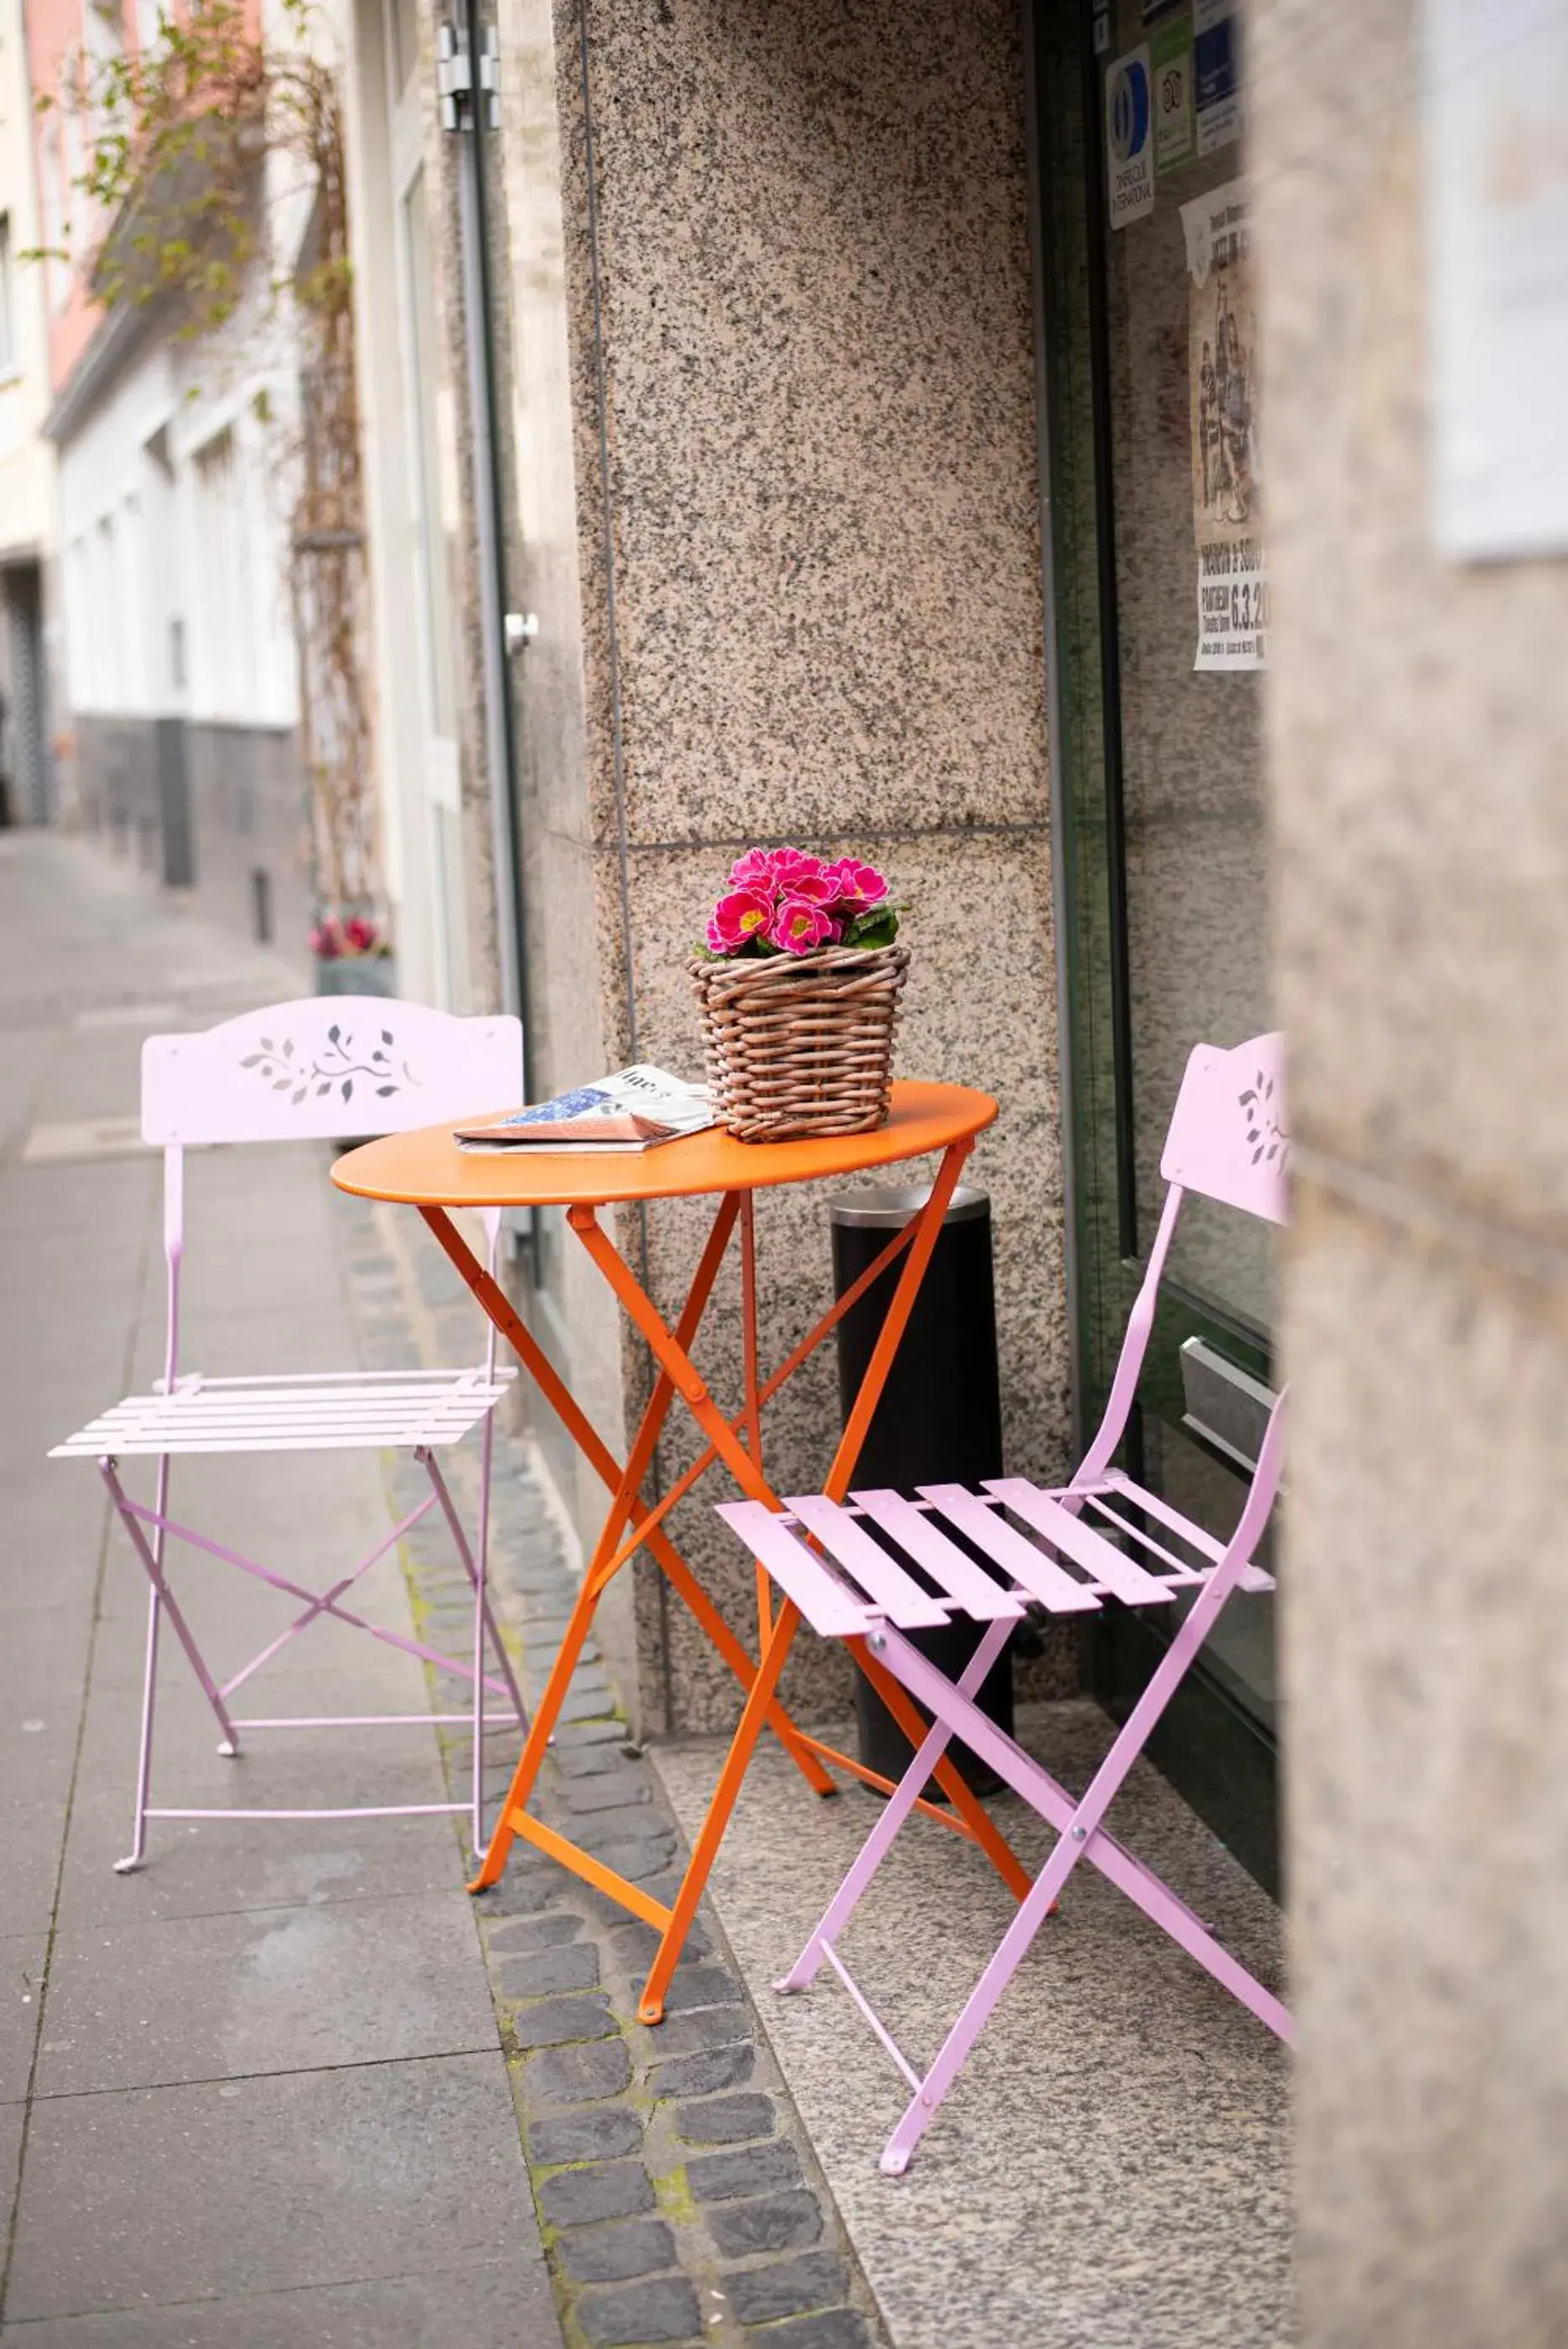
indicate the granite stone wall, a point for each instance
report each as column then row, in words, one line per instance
column 1417, row 715
column 799, row 369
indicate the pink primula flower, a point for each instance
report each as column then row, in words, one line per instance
column 798, row 926
column 816, row 888
column 738, row 916
column 789, row 865
column 753, row 871
column 859, row 884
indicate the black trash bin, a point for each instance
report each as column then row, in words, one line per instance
column 939, row 1418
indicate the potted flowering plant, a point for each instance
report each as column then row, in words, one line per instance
column 353, row 955
column 799, row 975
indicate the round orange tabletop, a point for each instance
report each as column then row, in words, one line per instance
column 427, row 1169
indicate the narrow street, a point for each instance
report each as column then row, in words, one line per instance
column 254, row 2093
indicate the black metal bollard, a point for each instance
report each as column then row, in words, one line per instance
column 938, row 1421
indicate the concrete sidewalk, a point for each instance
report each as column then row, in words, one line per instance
column 254, row 2094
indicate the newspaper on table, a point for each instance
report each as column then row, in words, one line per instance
column 636, row 1108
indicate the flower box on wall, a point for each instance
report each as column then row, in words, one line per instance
column 352, row 956
column 356, row 975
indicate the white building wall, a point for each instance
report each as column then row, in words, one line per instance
column 27, row 466
column 173, row 496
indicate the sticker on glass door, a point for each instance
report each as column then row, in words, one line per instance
column 1227, row 474
column 1129, row 138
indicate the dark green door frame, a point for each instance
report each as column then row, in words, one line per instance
column 1218, row 1755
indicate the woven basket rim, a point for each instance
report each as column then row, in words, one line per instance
column 771, row 969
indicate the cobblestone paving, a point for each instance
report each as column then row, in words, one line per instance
column 677, row 2194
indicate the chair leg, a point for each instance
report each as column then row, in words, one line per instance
column 953, row 2053
column 152, row 1552
column 481, row 1618
column 705, row 1849
column 476, row 1563
column 896, row 1809
column 154, row 1568
column 1071, row 1846
column 137, row 1851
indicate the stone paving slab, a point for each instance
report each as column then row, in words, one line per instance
column 298, row 2179
column 199, row 1867
column 30, row 1837
column 156, row 2002
column 21, row 1958
column 496, row 2304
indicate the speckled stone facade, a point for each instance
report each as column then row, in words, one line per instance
column 1416, row 715
column 772, row 317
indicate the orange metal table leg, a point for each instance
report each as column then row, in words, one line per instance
column 717, row 1816
column 541, row 1728
column 723, row 1437
column 627, row 1499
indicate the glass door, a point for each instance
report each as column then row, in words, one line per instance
column 1160, row 632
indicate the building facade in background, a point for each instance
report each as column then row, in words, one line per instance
column 178, row 669
column 28, row 577
column 180, row 458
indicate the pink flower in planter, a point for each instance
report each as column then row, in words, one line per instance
column 816, row 888
column 753, row 871
column 790, row 866
column 743, row 913
column 799, row 926
column 358, row 934
column 858, row 885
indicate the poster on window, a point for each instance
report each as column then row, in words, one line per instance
column 1227, row 474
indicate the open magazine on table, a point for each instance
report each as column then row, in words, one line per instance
column 636, row 1108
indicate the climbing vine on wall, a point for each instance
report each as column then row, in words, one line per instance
column 206, row 151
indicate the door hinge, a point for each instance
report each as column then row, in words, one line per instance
column 454, row 76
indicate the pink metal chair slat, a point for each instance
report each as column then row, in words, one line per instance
column 191, row 1421
column 888, row 1587
column 826, row 1605
column 912, row 1529
column 325, row 1069
column 1253, row 1577
column 1227, row 1139
column 1018, row 1557
column 1112, row 1569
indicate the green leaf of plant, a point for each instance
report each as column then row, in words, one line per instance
column 878, row 928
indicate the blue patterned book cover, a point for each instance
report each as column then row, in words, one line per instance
column 636, row 1108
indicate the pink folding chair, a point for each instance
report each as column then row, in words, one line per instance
column 325, row 1067
column 1067, row 1549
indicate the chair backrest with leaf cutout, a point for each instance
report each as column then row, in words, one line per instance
column 334, row 1066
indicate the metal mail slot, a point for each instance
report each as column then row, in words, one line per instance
column 1225, row 1406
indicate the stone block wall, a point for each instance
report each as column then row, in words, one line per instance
column 790, row 337
column 1417, row 713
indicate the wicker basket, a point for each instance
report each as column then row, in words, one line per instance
column 801, row 1045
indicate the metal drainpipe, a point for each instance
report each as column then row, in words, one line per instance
column 465, row 111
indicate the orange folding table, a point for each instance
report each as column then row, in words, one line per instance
column 427, row 1170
